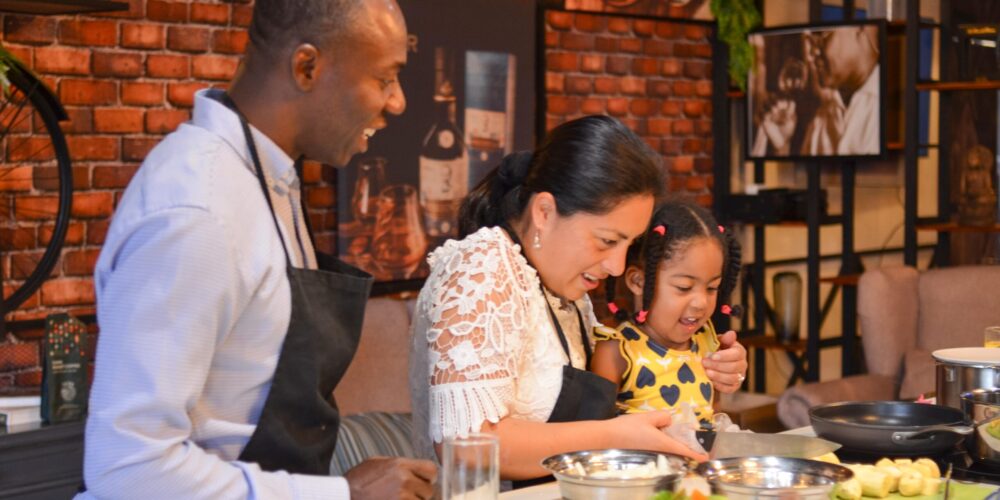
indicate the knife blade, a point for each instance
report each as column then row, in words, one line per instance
column 748, row 444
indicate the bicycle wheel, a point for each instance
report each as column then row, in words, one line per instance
column 34, row 168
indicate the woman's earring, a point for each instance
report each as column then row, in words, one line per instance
column 537, row 242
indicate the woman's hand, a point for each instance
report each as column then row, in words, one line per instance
column 727, row 367
column 644, row 431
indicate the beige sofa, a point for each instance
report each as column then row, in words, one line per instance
column 905, row 315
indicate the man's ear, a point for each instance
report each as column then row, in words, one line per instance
column 634, row 280
column 305, row 64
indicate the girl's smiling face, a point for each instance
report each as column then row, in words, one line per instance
column 687, row 287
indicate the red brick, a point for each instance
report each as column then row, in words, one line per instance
column 142, row 93
column 589, row 22
column 188, row 38
column 642, row 107
column 683, row 127
column 97, row 229
column 87, row 32
column 577, row 41
column 592, row 63
column 563, row 105
column 21, row 238
column 118, row 120
column 671, row 108
column 24, row 54
column 66, row 292
column 35, row 207
column 617, row 65
column 81, row 177
column 136, row 148
column 645, row 66
column 697, row 69
column 325, row 196
column 671, row 147
column 606, row 44
column 695, row 32
column 696, row 183
column 643, row 27
column 658, row 48
column 551, row 39
column 552, row 122
column 93, row 204
column 28, row 29
column 175, row 12
column 683, row 88
column 703, row 127
column 113, row 176
column 631, row 85
column 703, row 88
column 182, row 94
column 142, row 36
column 562, row 61
column 87, row 92
column 704, row 200
column 209, row 13
column 694, row 146
column 605, row 85
column 593, row 106
column 214, row 67
column 671, row 67
column 81, row 120
column 80, row 262
column 619, row 25
column 579, row 85
column 682, row 165
column 19, row 356
column 555, row 82
column 703, row 165
column 660, row 88
column 92, row 148
column 62, row 60
column 28, row 378
column 658, row 126
column 694, row 108
column 163, row 121
column 685, row 49
column 559, row 20
column 120, row 64
column 618, row 106
column 636, row 125
column 667, row 30
column 652, row 142
column 47, row 178
column 230, row 41
column 168, row 66
column 74, row 233
column 676, row 182
column 16, row 179
column 633, row 45
column 242, row 14
column 29, row 148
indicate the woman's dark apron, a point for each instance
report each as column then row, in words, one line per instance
column 584, row 395
column 297, row 429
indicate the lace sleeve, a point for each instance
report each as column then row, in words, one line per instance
column 474, row 316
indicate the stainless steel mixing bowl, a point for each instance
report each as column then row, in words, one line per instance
column 767, row 477
column 575, row 472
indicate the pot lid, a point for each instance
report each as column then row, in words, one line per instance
column 969, row 356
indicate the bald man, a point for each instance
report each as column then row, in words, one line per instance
column 223, row 331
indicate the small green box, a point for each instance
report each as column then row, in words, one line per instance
column 65, row 389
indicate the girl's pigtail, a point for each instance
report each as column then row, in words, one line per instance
column 730, row 272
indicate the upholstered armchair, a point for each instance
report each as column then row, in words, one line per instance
column 904, row 316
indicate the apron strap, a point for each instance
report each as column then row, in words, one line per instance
column 552, row 314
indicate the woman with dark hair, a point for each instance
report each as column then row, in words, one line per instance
column 501, row 337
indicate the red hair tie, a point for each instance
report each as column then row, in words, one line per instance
column 721, row 229
column 613, row 308
column 641, row 317
column 661, row 230
column 726, row 309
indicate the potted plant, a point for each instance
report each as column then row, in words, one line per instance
column 736, row 18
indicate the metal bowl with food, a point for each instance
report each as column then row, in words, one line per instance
column 615, row 474
column 767, row 477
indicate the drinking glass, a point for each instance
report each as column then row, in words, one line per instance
column 399, row 242
column 370, row 182
column 470, row 468
column 787, row 305
column 991, row 336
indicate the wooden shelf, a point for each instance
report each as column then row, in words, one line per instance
column 736, row 94
column 53, row 7
column 899, row 146
column 771, row 342
column 954, row 227
column 844, row 280
column 954, row 86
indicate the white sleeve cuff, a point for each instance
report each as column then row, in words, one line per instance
column 320, row 487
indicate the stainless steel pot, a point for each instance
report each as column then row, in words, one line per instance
column 965, row 369
column 982, row 408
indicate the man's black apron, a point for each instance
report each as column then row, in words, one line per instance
column 584, row 395
column 297, row 430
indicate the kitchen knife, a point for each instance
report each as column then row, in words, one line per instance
column 750, row 444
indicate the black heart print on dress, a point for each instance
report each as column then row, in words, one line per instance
column 646, row 378
column 685, row 375
column 670, row 394
column 706, row 390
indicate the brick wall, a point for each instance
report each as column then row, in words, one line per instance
column 128, row 78
column 655, row 76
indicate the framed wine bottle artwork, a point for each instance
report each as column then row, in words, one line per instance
column 470, row 83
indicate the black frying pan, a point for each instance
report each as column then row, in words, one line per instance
column 890, row 427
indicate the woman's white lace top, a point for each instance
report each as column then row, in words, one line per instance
column 484, row 346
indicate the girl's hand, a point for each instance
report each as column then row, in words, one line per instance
column 727, row 367
column 643, row 431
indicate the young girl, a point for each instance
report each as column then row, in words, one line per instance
column 677, row 273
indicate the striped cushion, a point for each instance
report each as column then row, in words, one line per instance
column 366, row 435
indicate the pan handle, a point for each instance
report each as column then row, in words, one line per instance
column 901, row 436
